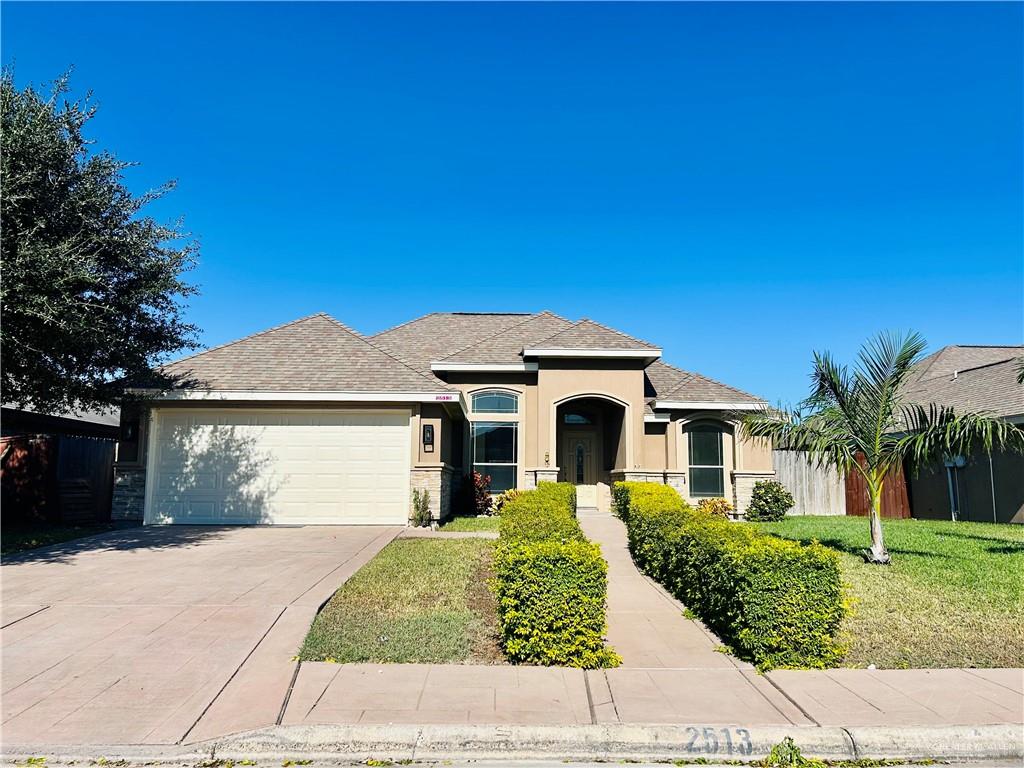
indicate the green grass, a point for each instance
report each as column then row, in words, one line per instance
column 952, row 596
column 418, row 600
column 458, row 524
column 20, row 538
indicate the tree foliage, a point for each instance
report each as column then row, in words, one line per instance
column 860, row 421
column 92, row 290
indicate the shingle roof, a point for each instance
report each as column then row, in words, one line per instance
column 586, row 334
column 312, row 354
column 970, row 379
column 961, row 357
column 507, row 345
column 433, row 337
column 670, row 383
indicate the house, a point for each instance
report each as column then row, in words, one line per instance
column 312, row 422
column 978, row 486
column 57, row 467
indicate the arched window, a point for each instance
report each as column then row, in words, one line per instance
column 707, row 463
column 495, row 402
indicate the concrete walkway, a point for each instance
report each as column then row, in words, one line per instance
column 645, row 624
column 183, row 635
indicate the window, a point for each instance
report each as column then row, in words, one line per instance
column 707, row 469
column 495, row 402
column 577, row 418
column 580, row 464
column 494, row 452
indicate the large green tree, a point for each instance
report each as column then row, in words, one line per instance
column 860, row 421
column 91, row 290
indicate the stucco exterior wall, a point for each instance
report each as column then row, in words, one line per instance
column 655, row 453
column 619, row 381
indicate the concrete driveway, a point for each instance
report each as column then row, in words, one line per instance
column 154, row 635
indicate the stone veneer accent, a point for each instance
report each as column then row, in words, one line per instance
column 129, row 499
column 540, row 475
column 743, row 487
column 440, row 481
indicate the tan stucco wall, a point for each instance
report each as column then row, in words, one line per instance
column 622, row 382
column 655, row 446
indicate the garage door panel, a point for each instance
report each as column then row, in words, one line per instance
column 285, row 467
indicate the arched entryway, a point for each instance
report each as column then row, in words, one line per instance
column 590, row 441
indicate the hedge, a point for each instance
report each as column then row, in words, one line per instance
column 777, row 603
column 550, row 583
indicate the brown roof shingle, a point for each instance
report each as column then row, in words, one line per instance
column 507, row 345
column 312, row 354
column 970, row 379
column 586, row 334
column 435, row 336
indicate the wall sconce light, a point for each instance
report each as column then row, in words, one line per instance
column 428, row 438
column 547, row 458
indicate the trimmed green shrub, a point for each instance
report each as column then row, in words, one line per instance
column 775, row 602
column 769, row 502
column 550, row 583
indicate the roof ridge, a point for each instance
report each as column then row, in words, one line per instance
column 383, row 351
column 247, row 338
column 694, row 374
column 616, row 330
column 525, row 320
column 407, row 322
column 599, row 325
column 491, row 336
column 958, row 371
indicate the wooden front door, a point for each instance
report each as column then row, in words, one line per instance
column 580, row 459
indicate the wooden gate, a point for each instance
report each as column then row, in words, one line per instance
column 895, row 502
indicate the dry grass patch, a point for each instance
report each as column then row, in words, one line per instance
column 418, row 600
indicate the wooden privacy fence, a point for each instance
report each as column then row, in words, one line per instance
column 823, row 491
column 895, row 502
column 816, row 490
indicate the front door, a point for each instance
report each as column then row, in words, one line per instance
column 580, row 462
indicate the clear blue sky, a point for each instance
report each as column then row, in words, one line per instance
column 739, row 183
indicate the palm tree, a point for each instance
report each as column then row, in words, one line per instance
column 859, row 421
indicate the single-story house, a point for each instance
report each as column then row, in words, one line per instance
column 979, row 486
column 312, row 422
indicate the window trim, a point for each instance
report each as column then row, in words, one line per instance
column 487, row 392
column 514, row 464
column 720, row 431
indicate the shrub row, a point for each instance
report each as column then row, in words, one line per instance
column 550, row 583
column 777, row 603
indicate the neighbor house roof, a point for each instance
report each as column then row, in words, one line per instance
column 969, row 378
column 313, row 354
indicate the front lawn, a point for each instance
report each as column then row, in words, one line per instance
column 418, row 600
column 22, row 537
column 483, row 523
column 951, row 597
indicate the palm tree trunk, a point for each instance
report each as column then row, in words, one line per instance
column 878, row 553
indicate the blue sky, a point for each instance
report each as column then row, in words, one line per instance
column 740, row 183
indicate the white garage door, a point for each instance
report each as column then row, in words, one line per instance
column 270, row 466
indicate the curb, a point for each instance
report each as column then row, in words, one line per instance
column 348, row 743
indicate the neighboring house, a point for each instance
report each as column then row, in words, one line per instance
column 311, row 422
column 57, row 467
column 976, row 487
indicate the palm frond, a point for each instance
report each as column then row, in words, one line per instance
column 934, row 431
